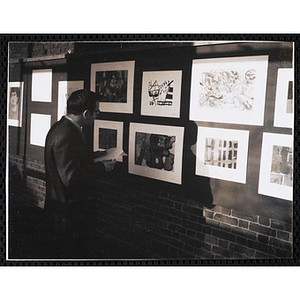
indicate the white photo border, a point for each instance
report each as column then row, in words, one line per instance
column 40, row 125
column 13, row 122
column 41, row 84
column 234, row 175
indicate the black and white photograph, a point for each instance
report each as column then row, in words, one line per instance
column 137, row 152
column 15, row 104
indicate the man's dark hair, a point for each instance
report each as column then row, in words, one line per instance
column 80, row 101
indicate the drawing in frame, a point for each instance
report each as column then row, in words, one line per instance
column 222, row 153
column 108, row 135
column 283, row 115
column 155, row 151
column 114, row 81
column 15, row 104
column 229, row 90
column 41, row 85
column 161, row 93
column 65, row 89
column 276, row 166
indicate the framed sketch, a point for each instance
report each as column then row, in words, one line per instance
column 155, row 151
column 276, row 166
column 41, row 85
column 108, row 135
column 284, row 101
column 161, row 93
column 229, row 90
column 65, row 89
column 39, row 126
column 15, row 104
column 222, row 153
column 114, row 82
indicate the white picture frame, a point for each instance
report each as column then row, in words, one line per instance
column 229, row 90
column 140, row 157
column 222, row 153
column 276, row 166
column 284, row 101
column 15, row 104
column 65, row 89
column 112, row 131
column 118, row 96
column 161, row 93
column 40, row 125
column 41, row 85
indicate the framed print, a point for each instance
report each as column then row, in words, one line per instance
column 276, row 166
column 108, row 135
column 222, row 153
column 229, row 90
column 41, row 85
column 39, row 126
column 114, row 82
column 155, row 151
column 65, row 89
column 161, row 93
column 284, row 101
column 15, row 104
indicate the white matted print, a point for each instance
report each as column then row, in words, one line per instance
column 107, row 135
column 229, row 90
column 114, row 81
column 155, row 151
column 65, row 89
column 276, row 166
column 15, row 104
column 222, row 153
column 41, row 85
column 161, row 93
column 284, row 101
column 39, row 126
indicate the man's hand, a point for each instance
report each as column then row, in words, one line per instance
column 109, row 164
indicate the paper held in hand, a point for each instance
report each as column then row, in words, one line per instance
column 111, row 154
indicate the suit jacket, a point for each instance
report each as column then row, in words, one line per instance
column 70, row 177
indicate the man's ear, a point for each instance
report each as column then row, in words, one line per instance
column 84, row 114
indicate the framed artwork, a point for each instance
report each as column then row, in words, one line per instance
column 284, row 101
column 15, row 104
column 39, row 126
column 65, row 89
column 229, row 90
column 114, row 82
column 161, row 93
column 276, row 166
column 41, row 85
column 155, row 151
column 108, row 135
column 222, row 153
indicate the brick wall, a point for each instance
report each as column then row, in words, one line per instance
column 170, row 225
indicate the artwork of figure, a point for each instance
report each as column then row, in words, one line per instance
column 112, row 85
column 107, row 138
column 227, row 89
column 161, row 94
column 155, row 151
column 289, row 104
column 14, row 103
column 221, row 153
column 282, row 166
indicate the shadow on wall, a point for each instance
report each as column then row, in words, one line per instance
column 195, row 187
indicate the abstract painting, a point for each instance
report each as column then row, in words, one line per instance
column 113, row 81
column 276, row 167
column 161, row 93
column 284, row 101
column 42, row 85
column 155, row 151
column 222, row 153
column 15, row 104
column 108, row 135
column 65, row 89
column 229, row 90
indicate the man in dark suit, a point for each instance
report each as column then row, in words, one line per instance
column 70, row 175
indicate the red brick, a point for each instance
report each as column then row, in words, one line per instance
column 243, row 224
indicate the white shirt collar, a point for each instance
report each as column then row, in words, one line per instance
column 74, row 122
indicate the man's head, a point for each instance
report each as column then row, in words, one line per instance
column 84, row 105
